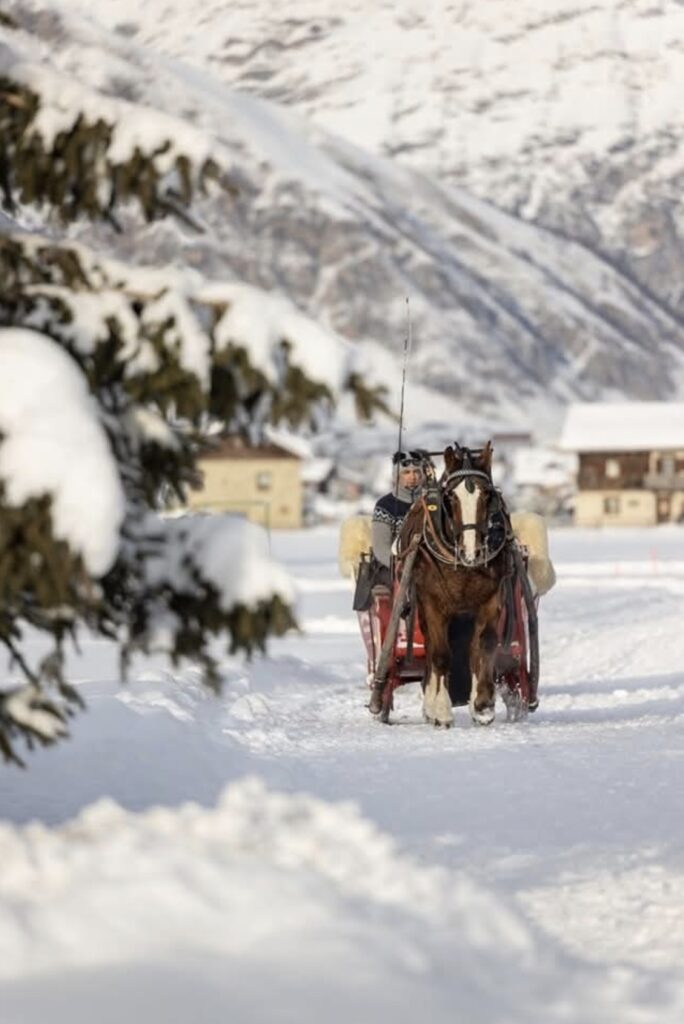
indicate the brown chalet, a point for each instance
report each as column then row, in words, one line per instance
column 631, row 462
column 263, row 484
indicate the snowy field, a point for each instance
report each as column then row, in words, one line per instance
column 275, row 855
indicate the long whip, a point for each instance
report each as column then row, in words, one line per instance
column 407, row 352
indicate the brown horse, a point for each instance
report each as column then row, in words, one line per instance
column 459, row 567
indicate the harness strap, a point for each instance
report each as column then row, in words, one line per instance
column 461, row 474
column 432, row 536
column 434, row 543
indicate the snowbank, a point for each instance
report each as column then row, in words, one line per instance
column 275, row 906
column 264, row 907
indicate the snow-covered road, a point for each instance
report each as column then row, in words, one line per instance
column 529, row 872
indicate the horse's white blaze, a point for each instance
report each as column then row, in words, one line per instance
column 468, row 501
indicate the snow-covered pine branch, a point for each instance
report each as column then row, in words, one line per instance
column 180, row 343
column 108, row 376
column 81, row 153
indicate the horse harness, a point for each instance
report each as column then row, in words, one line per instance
column 443, row 548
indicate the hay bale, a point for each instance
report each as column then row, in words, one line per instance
column 530, row 530
column 355, row 540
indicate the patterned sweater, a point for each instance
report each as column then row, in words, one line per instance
column 388, row 515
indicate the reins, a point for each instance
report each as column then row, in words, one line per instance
column 435, row 543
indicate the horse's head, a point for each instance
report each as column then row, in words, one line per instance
column 468, row 491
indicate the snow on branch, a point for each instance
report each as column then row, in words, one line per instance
column 84, row 153
column 53, row 443
column 100, row 366
column 229, row 341
column 26, row 710
column 196, row 575
column 226, row 550
column 246, row 321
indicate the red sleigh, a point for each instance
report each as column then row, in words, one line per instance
column 516, row 663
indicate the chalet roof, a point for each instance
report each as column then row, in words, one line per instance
column 315, row 471
column 623, row 427
column 235, row 448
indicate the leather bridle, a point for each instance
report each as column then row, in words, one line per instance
column 449, row 550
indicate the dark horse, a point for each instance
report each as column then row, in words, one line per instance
column 460, row 564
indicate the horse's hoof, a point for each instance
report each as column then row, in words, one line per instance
column 436, row 722
column 533, row 705
column 485, row 716
column 375, row 704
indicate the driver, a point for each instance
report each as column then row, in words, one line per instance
column 391, row 510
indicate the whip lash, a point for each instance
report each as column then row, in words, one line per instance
column 407, row 352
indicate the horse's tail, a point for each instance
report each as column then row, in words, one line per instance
column 460, row 633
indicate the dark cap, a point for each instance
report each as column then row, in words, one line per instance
column 408, row 460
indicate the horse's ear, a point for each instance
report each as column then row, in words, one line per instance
column 486, row 458
column 453, row 458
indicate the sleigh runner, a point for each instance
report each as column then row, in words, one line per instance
column 393, row 623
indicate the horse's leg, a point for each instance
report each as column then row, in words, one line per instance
column 436, row 700
column 482, row 651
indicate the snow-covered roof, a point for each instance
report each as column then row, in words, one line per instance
column 623, row 427
column 543, row 467
column 236, row 448
column 315, row 471
column 288, row 441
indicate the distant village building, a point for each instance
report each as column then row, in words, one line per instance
column 631, row 462
column 506, row 444
column 263, row 484
column 511, row 440
column 542, row 479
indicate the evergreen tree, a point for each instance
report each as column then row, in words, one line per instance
column 157, row 355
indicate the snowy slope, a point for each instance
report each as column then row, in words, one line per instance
column 568, row 111
column 509, row 320
column 521, row 873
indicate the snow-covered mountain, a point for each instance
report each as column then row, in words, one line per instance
column 511, row 319
column 567, row 111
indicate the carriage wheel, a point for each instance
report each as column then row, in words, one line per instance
column 516, row 690
column 522, row 636
column 526, row 636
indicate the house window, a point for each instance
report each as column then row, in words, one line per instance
column 612, row 469
column 611, row 506
column 666, row 465
column 264, row 479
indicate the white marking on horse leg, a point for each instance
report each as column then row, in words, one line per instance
column 486, row 715
column 430, row 696
column 443, row 713
column 473, row 691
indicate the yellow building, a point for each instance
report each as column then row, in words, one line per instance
column 263, row 484
column 631, row 462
